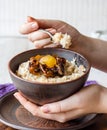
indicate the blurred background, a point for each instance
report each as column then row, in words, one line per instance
column 88, row 16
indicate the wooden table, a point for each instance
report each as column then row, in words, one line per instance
column 99, row 125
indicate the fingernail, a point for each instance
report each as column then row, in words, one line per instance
column 45, row 108
column 15, row 95
column 33, row 25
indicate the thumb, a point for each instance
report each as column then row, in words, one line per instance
column 45, row 23
column 30, row 19
column 34, row 24
column 67, row 104
column 30, row 26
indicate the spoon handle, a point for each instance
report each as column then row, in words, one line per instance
column 47, row 32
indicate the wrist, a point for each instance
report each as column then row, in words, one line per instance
column 79, row 43
column 83, row 44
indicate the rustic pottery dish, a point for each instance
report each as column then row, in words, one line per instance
column 42, row 93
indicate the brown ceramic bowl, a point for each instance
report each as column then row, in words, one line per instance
column 42, row 93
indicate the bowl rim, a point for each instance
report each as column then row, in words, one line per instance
column 37, row 82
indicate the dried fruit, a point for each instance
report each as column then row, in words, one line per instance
column 48, row 65
column 48, row 60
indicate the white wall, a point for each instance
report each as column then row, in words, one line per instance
column 86, row 15
column 9, row 47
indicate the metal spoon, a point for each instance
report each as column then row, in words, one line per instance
column 51, row 38
column 47, row 32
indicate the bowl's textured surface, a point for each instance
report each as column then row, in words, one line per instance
column 42, row 93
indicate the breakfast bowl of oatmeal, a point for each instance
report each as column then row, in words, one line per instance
column 49, row 74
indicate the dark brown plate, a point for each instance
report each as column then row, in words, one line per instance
column 15, row 116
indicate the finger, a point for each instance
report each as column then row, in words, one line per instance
column 42, row 43
column 30, row 19
column 53, row 45
column 39, row 35
column 28, row 27
column 36, row 111
column 70, row 115
column 66, row 116
column 27, row 104
column 68, row 104
column 32, row 108
column 44, row 23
